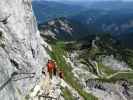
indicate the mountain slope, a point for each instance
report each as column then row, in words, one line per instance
column 63, row 29
column 108, row 21
column 48, row 10
column 68, row 29
column 99, row 66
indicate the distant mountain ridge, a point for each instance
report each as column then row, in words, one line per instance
column 109, row 17
column 68, row 29
column 48, row 10
column 115, row 22
column 63, row 29
column 115, row 18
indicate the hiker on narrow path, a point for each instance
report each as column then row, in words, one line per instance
column 51, row 67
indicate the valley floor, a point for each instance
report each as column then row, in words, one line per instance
column 78, row 76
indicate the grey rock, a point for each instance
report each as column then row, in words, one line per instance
column 21, row 50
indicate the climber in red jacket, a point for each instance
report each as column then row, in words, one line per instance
column 51, row 67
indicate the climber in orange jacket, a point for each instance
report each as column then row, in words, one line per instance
column 51, row 67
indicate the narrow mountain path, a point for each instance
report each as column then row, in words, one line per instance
column 47, row 89
column 100, row 72
column 115, row 74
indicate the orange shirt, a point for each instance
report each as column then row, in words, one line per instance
column 50, row 66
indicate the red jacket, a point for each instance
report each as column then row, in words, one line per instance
column 50, row 66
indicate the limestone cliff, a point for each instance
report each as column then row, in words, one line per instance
column 21, row 53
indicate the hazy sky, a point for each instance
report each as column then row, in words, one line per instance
column 89, row 0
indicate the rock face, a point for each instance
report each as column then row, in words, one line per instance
column 21, row 54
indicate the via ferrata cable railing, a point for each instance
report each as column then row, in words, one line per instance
column 16, row 74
